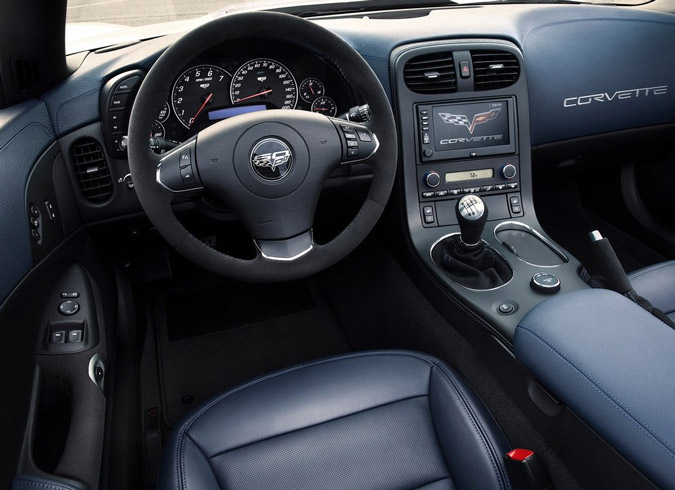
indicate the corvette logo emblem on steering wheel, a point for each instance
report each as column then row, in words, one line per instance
column 271, row 159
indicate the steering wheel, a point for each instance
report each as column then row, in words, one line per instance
column 269, row 166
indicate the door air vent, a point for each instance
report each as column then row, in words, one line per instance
column 91, row 169
column 494, row 69
column 431, row 74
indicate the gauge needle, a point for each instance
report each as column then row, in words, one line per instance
column 202, row 107
column 254, row 95
column 310, row 87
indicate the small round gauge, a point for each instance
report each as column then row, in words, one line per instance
column 264, row 81
column 157, row 130
column 196, row 89
column 324, row 105
column 164, row 113
column 311, row 89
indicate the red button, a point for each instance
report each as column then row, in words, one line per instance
column 519, row 454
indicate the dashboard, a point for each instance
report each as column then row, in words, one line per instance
column 225, row 81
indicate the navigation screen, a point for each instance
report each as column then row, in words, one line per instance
column 466, row 126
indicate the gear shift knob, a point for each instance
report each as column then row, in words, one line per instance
column 472, row 215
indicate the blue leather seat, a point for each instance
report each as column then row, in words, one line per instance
column 657, row 284
column 612, row 363
column 376, row 420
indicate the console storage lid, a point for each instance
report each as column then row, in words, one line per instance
column 613, row 364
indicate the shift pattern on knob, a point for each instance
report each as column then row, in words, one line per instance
column 471, row 207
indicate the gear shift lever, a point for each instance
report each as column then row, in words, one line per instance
column 471, row 216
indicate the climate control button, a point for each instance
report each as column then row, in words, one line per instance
column 509, row 171
column 432, row 179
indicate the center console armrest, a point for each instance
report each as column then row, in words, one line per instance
column 613, row 364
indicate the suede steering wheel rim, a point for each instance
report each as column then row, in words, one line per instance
column 274, row 212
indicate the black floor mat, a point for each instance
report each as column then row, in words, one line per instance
column 212, row 339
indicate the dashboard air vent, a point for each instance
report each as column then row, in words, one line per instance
column 91, row 169
column 431, row 74
column 494, row 69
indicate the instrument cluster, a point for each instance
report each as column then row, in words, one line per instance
column 247, row 76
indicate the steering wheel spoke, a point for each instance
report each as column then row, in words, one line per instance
column 288, row 249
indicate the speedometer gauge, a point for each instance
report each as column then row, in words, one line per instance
column 264, row 80
column 197, row 89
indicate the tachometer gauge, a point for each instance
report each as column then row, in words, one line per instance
column 324, row 105
column 311, row 89
column 197, row 89
column 264, row 81
column 157, row 130
column 164, row 113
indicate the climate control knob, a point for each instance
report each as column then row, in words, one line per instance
column 432, row 179
column 509, row 171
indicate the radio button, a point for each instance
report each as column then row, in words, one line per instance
column 441, row 193
column 487, row 188
column 512, row 185
column 428, row 194
column 427, row 152
column 509, row 171
column 432, row 179
column 455, row 192
column 500, row 187
column 425, row 138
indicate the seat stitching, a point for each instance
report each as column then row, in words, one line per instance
column 180, row 439
column 642, row 426
column 314, row 425
column 433, row 424
column 50, row 486
column 653, row 268
column 475, row 421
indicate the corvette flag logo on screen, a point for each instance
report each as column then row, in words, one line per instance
column 462, row 120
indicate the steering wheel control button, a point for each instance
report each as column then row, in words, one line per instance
column 506, row 308
column 187, row 175
column 358, row 142
column 70, row 294
column 509, row 171
column 57, row 337
column 177, row 170
column 545, row 282
column 69, row 307
column 185, row 160
column 128, row 85
column 271, row 159
column 364, row 135
column 74, row 336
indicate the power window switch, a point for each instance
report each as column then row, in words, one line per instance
column 75, row 336
column 57, row 337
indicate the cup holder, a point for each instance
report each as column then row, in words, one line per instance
column 528, row 245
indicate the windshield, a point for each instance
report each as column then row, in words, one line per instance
column 92, row 24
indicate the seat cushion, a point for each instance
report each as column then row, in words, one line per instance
column 612, row 363
column 657, row 284
column 376, row 420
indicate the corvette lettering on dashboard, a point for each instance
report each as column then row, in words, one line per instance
column 472, row 139
column 633, row 93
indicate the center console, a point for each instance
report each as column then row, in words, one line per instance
column 463, row 117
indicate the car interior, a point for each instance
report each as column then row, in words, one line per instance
column 368, row 244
